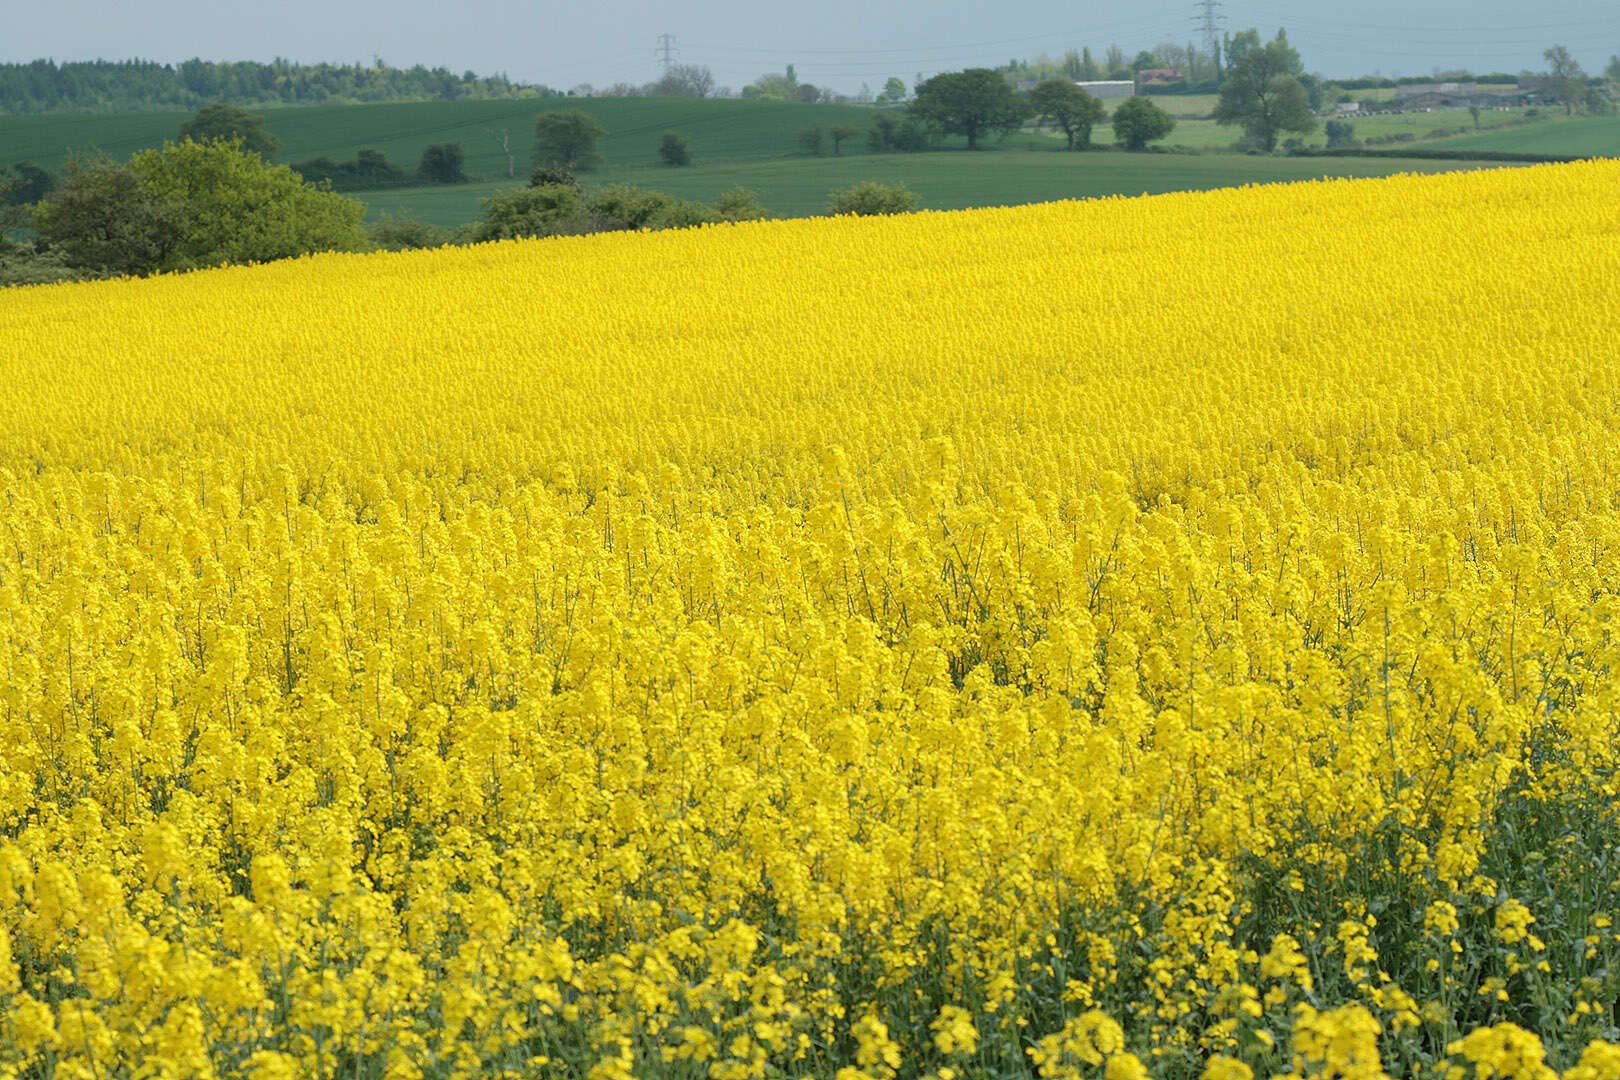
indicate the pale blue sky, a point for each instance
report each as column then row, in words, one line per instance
column 841, row 43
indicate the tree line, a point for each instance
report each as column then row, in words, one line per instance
column 133, row 85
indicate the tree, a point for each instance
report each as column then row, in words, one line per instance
column 442, row 163
column 673, row 149
column 970, row 103
column 103, row 219
column 894, row 91
column 1613, row 70
column 217, row 122
column 1069, row 108
column 567, row 137
column 902, row 133
column 25, row 183
column 813, row 140
column 684, row 80
column 1263, row 91
column 870, row 198
column 191, row 205
column 1564, row 80
column 839, row 133
column 1340, row 133
column 1137, row 122
column 1089, row 71
column 503, row 139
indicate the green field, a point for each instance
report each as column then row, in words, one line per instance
column 717, row 130
column 1597, row 136
column 755, row 144
column 945, row 180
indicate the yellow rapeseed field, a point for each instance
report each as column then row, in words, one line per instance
column 1172, row 637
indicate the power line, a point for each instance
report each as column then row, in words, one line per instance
column 666, row 50
column 1209, row 21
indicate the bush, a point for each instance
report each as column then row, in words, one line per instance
column 369, row 171
column 903, row 134
column 553, row 174
column 639, row 209
column 1340, row 133
column 739, row 204
column 443, row 163
column 402, row 232
column 872, row 197
column 673, row 149
column 545, row 210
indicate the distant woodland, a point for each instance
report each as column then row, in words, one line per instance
column 126, row 85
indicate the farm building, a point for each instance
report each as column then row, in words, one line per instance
column 1106, row 89
column 1159, row 76
column 1109, row 88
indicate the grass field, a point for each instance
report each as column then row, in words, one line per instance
column 1598, row 136
column 717, row 129
column 945, row 180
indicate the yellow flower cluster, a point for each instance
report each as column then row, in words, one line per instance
column 1094, row 639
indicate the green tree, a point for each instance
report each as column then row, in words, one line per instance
column 890, row 132
column 189, row 205
column 104, row 220
column 443, row 163
column 1069, row 108
column 1613, row 70
column 673, row 149
column 1340, row 133
column 1137, row 122
column 871, row 197
column 813, row 140
column 1089, row 71
column 894, row 91
column 236, row 208
column 839, row 133
column 1263, row 91
column 226, row 122
column 1564, row 80
column 29, row 184
column 970, row 103
column 567, row 137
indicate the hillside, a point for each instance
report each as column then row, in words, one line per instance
column 717, row 129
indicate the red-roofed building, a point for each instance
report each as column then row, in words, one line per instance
column 1158, row 76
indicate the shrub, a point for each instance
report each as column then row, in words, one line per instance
column 673, row 149
column 739, row 204
column 443, row 163
column 553, row 174
column 872, row 197
column 546, row 210
column 402, row 232
column 889, row 133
